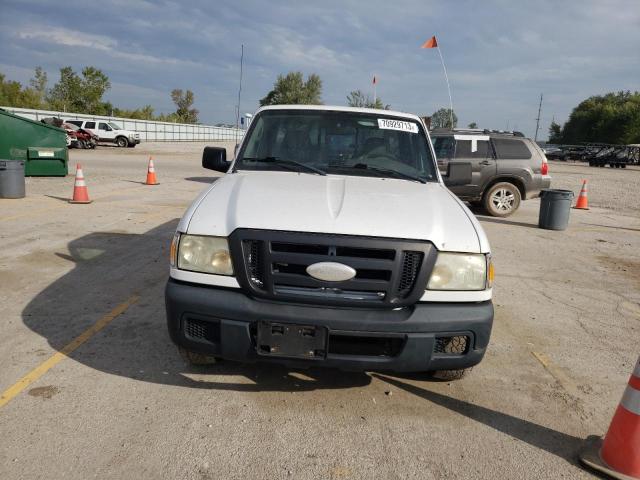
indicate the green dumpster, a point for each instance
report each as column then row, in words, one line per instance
column 42, row 147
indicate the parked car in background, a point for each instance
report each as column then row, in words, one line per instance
column 506, row 167
column 109, row 132
column 80, row 138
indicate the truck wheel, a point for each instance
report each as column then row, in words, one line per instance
column 194, row 358
column 452, row 346
column 502, row 199
column 122, row 142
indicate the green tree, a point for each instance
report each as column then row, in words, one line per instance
column 10, row 92
column 609, row 118
column 80, row 94
column 184, row 102
column 94, row 85
column 357, row 98
column 291, row 89
column 555, row 133
column 39, row 86
column 442, row 119
column 472, row 125
column 143, row 113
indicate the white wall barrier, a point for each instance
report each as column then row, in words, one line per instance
column 149, row 130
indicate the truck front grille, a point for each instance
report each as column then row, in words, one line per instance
column 389, row 272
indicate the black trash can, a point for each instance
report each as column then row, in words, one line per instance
column 555, row 206
column 12, row 179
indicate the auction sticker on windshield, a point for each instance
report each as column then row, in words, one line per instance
column 401, row 125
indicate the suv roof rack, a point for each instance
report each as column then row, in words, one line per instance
column 476, row 131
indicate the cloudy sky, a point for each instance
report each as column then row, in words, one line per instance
column 500, row 55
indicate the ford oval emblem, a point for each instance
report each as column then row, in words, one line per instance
column 331, row 271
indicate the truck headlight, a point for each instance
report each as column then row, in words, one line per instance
column 202, row 254
column 461, row 271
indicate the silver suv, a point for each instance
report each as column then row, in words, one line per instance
column 506, row 167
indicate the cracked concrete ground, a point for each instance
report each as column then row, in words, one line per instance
column 123, row 405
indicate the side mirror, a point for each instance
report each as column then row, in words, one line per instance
column 215, row 158
column 458, row 174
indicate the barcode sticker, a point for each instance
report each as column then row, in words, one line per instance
column 401, row 125
column 45, row 153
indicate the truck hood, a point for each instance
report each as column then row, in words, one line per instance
column 347, row 205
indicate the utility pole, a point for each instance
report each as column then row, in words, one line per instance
column 535, row 138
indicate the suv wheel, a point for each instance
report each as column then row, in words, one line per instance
column 194, row 358
column 122, row 142
column 502, row 199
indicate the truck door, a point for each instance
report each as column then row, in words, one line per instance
column 475, row 149
column 106, row 132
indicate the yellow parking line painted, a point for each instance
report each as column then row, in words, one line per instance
column 557, row 373
column 56, row 358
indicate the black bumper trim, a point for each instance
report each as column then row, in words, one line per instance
column 236, row 313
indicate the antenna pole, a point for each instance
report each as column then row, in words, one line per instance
column 239, row 92
column 446, row 77
column 535, row 138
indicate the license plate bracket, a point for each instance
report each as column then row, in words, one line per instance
column 291, row 340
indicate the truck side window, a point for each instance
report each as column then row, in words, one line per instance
column 510, row 148
column 444, row 147
column 90, row 125
column 104, row 126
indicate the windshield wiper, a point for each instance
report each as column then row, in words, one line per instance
column 285, row 163
column 388, row 171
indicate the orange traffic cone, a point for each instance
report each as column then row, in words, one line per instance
column 80, row 192
column 618, row 455
column 151, row 174
column 583, row 201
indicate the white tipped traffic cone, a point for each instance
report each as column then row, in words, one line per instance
column 80, row 192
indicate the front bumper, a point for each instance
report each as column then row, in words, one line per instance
column 135, row 141
column 228, row 318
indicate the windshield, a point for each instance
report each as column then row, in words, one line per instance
column 332, row 142
column 115, row 126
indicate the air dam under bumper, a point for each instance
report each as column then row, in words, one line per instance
column 222, row 322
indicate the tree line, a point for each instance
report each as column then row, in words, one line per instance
column 293, row 89
column 83, row 93
column 610, row 118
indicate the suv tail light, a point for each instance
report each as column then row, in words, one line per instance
column 544, row 170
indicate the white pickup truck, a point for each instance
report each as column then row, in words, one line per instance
column 109, row 132
column 332, row 240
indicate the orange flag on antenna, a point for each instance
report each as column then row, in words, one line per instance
column 431, row 43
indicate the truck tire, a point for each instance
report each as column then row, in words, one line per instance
column 452, row 346
column 194, row 358
column 502, row 199
column 122, row 142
